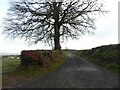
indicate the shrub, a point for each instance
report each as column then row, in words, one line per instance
column 35, row 57
column 39, row 57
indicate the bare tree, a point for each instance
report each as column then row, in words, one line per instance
column 51, row 21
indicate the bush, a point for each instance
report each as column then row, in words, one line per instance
column 39, row 57
column 35, row 57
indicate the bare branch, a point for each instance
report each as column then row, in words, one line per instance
column 51, row 21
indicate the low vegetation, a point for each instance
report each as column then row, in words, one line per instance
column 0, row 71
column 105, row 56
column 10, row 63
column 14, row 73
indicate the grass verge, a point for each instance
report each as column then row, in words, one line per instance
column 105, row 56
column 112, row 67
column 17, row 75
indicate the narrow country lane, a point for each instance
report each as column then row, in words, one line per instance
column 75, row 73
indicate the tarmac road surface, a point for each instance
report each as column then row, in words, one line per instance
column 75, row 73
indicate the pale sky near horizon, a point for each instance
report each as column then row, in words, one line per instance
column 106, row 32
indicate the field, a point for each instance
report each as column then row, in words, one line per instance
column 14, row 74
column 10, row 63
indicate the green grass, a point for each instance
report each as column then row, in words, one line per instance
column 104, row 56
column 0, row 71
column 0, row 63
column 9, row 64
column 112, row 67
column 33, row 72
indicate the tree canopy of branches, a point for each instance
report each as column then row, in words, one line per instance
column 50, row 21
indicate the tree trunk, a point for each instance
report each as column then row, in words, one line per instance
column 56, row 27
column 57, row 45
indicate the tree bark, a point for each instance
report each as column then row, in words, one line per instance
column 56, row 27
column 57, row 45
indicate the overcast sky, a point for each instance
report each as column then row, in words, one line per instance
column 106, row 32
